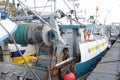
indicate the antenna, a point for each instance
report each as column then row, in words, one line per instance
column 106, row 17
column 35, row 4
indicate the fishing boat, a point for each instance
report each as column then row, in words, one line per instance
column 74, row 47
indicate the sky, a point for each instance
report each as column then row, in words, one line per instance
column 109, row 10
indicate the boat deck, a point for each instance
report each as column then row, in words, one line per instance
column 109, row 67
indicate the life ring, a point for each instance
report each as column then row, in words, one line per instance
column 87, row 36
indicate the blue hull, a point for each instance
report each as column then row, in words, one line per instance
column 86, row 67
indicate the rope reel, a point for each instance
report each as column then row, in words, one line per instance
column 31, row 33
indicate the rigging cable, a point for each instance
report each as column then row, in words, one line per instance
column 36, row 15
column 40, row 18
column 20, row 53
column 44, row 6
column 70, row 9
column 67, row 5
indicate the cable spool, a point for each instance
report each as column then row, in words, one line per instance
column 34, row 33
column 38, row 35
column 31, row 33
column 28, row 34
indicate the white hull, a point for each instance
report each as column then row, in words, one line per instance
column 91, row 49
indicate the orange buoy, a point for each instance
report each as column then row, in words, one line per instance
column 69, row 76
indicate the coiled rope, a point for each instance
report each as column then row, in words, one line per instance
column 30, row 33
column 20, row 34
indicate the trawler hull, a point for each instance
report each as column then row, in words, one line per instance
column 91, row 54
column 83, row 69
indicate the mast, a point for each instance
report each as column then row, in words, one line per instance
column 35, row 4
column 53, row 8
column 54, row 5
column 106, row 17
column 97, row 9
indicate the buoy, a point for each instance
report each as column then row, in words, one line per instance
column 69, row 76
